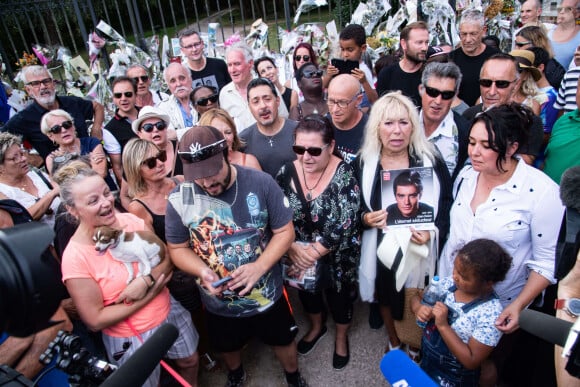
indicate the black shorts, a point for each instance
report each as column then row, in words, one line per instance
column 276, row 326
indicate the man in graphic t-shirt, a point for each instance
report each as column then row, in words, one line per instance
column 219, row 206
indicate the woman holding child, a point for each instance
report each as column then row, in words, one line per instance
column 501, row 198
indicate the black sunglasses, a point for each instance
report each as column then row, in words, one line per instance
column 148, row 128
column 312, row 151
column 204, row 153
column 206, row 100
column 521, row 44
column 127, row 94
column 434, row 93
column 56, row 129
column 151, row 162
column 313, row 74
column 306, row 58
column 143, row 78
column 500, row 84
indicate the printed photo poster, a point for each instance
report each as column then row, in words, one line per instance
column 408, row 197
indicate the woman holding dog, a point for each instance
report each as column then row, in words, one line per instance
column 130, row 313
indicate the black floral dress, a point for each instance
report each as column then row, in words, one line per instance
column 335, row 219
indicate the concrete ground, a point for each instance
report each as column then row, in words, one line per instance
column 366, row 352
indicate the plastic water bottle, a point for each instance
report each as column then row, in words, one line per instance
column 431, row 295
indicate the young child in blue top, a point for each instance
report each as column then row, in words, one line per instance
column 461, row 332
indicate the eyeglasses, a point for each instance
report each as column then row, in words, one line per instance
column 341, row 103
column 305, row 58
column 313, row 74
column 19, row 156
column 521, row 44
column 565, row 9
column 204, row 153
column 194, row 45
column 143, row 78
column 148, row 128
column 45, row 82
column 127, row 94
column 151, row 162
column 312, row 151
column 56, row 129
column 206, row 100
column 500, row 84
column 434, row 93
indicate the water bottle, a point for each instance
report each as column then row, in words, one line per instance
column 431, row 295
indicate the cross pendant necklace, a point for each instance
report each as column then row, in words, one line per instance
column 271, row 141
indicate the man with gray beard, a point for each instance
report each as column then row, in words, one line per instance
column 40, row 86
column 179, row 107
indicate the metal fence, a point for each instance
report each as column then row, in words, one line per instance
column 68, row 22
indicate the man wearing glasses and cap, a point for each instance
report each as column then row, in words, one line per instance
column 498, row 81
column 220, row 205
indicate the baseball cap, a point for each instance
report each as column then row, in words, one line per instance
column 149, row 112
column 201, row 150
column 434, row 50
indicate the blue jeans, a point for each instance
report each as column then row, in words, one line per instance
column 440, row 364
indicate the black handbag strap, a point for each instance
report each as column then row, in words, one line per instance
column 44, row 179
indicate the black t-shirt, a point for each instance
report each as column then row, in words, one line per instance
column 348, row 141
column 215, row 73
column 394, row 78
column 470, row 67
column 27, row 122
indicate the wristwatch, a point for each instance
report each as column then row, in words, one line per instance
column 570, row 306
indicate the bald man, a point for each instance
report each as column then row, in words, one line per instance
column 530, row 15
column 348, row 121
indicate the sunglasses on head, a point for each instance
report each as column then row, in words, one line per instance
column 204, row 153
column 312, row 74
column 500, row 84
column 127, row 94
column 434, row 93
column 312, row 151
column 206, row 100
column 151, row 162
column 56, row 129
column 521, row 44
column 143, row 78
column 298, row 58
column 148, row 128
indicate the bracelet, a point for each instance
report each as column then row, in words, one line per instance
column 144, row 280
column 315, row 249
column 362, row 218
column 152, row 279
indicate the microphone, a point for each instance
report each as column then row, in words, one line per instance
column 546, row 327
column 141, row 364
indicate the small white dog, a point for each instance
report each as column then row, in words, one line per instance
column 143, row 247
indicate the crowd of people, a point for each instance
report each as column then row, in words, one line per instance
column 235, row 172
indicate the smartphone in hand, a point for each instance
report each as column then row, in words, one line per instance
column 344, row 66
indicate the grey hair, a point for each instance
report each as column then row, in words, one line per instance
column 44, row 128
column 243, row 48
column 137, row 66
column 394, row 105
column 174, row 65
column 472, row 16
column 7, row 140
column 33, row 70
column 442, row 70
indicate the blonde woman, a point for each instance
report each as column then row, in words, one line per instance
column 222, row 121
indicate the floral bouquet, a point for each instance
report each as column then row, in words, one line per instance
column 307, row 6
column 368, row 15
